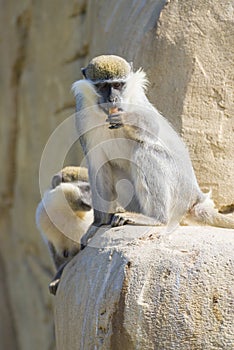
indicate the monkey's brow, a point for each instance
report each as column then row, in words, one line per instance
column 102, row 85
column 109, row 82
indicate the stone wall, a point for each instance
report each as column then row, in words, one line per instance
column 186, row 49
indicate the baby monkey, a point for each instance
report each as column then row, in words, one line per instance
column 64, row 215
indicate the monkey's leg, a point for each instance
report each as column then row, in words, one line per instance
column 130, row 218
column 103, row 197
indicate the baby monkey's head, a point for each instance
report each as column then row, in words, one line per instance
column 73, row 181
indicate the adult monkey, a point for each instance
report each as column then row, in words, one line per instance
column 124, row 137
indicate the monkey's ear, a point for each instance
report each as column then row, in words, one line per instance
column 83, row 72
column 56, row 180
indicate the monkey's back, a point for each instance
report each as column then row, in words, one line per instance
column 166, row 185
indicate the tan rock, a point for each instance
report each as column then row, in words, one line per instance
column 133, row 288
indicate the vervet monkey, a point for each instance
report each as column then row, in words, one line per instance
column 64, row 215
column 124, row 137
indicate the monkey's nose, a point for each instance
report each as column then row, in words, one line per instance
column 113, row 99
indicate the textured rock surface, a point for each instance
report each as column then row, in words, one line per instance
column 150, row 292
column 188, row 56
column 39, row 61
column 186, row 49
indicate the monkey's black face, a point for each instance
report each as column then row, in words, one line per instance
column 79, row 197
column 110, row 95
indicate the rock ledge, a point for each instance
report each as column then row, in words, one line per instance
column 135, row 288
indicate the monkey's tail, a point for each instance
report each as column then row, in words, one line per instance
column 206, row 213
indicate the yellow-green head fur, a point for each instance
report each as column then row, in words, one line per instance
column 107, row 67
column 74, row 173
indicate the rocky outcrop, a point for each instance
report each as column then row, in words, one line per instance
column 187, row 52
column 137, row 288
column 186, row 49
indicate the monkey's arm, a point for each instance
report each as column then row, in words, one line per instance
column 100, row 219
column 139, row 125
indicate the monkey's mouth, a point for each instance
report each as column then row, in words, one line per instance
column 110, row 110
column 113, row 110
column 86, row 207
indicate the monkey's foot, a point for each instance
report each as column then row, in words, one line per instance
column 88, row 235
column 129, row 218
column 120, row 219
column 53, row 286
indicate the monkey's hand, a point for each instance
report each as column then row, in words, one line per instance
column 53, row 286
column 88, row 235
column 116, row 120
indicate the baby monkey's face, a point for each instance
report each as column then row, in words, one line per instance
column 78, row 195
column 73, row 182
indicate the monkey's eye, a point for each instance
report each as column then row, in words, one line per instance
column 101, row 86
column 84, row 187
column 117, row 86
